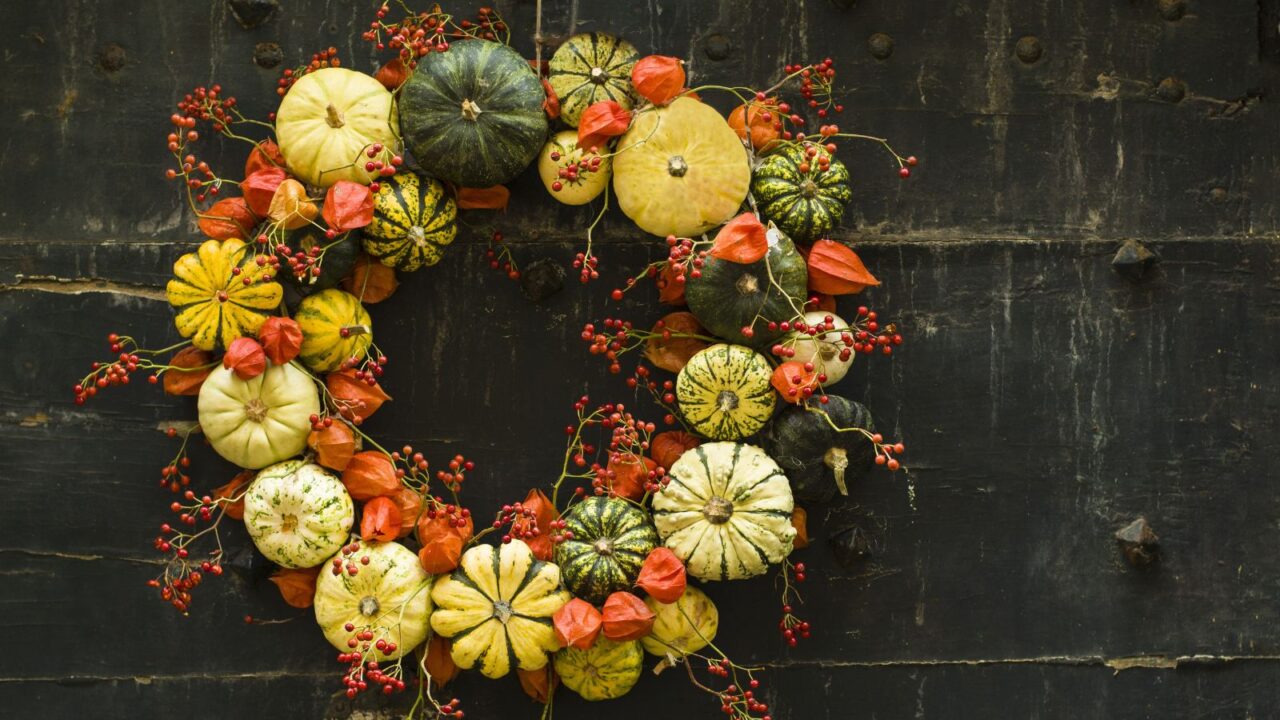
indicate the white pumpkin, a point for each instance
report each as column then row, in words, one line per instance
column 823, row 349
column 727, row 512
column 298, row 513
column 259, row 421
column 390, row 596
column 328, row 119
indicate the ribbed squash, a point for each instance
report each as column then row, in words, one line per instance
column 611, row 538
column 413, row 221
column 390, row 596
column 820, row 460
column 263, row 420
column 297, row 513
column 724, row 393
column 335, row 328
column 562, row 152
column 727, row 512
column 822, row 349
column 804, row 205
column 730, row 296
column 680, row 169
column 328, row 119
column 497, row 607
column 214, row 306
column 590, row 68
column 473, row 115
column 682, row 627
column 606, row 671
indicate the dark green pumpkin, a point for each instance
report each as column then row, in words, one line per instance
column 730, row 296
column 339, row 257
column 611, row 539
column 473, row 115
column 818, row 459
column 804, row 205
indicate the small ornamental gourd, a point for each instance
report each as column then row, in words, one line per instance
column 606, row 671
column 473, row 115
column 726, row 512
column 730, row 296
column 804, row 200
column 335, row 328
column 819, row 459
column 559, row 155
column 611, row 539
column 824, row 350
column 590, row 68
column 390, row 597
column 263, row 420
column 214, row 305
column 497, row 608
column 338, row 257
column 297, row 513
column 680, row 170
column 413, row 221
column 724, row 392
column 682, row 627
column 327, row 121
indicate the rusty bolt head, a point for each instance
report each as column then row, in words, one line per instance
column 252, row 13
column 1172, row 10
column 267, row 55
column 851, row 546
column 880, row 45
column 717, row 47
column 1029, row 49
column 1134, row 259
column 541, row 279
column 111, row 58
column 1171, row 90
column 1138, row 543
column 1218, row 195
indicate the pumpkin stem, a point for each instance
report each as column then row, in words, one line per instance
column 333, row 117
column 256, row 410
column 470, row 110
column 604, row 546
column 502, row 611
column 369, row 606
column 418, row 236
column 727, row 401
column 599, row 76
column 747, row 284
column 717, row 511
column 837, row 458
column 677, row 166
column 288, row 523
column 808, row 188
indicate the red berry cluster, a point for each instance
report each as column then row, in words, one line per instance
column 741, row 704
column 523, row 521
column 793, row 629
column 205, row 104
column 102, row 375
column 611, row 342
column 361, row 675
column 323, row 59
column 346, row 561
column 453, row 478
column 368, row 368
column 454, row 515
column 885, row 452
column 872, row 335
column 587, row 266
column 683, row 260
column 816, row 85
column 450, row 710
column 573, row 173
column 174, row 475
column 499, row 257
column 182, row 574
column 387, row 168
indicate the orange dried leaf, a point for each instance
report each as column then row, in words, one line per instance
column 281, row 339
column 663, row 576
column 370, row 474
column 490, row 198
column 742, row 240
column 670, row 289
column 669, row 351
column 290, row 205
column 245, row 358
column 800, row 521
column 551, row 104
column 667, row 447
column 235, row 490
column 410, row 504
column 577, row 624
column 393, row 74
column 264, row 155
column 259, row 187
column 658, row 78
column 354, row 398
column 626, row 617
column 543, row 513
column 835, row 269
column 297, row 586
column 334, row 446
column 629, row 475
column 539, row 684
column 228, row 218
column 380, row 520
column 439, row 661
column 760, row 117
column 600, row 122
column 370, row 280
column 347, row 206
column 442, row 542
column 187, row 382
column 793, row 382
column 825, row 302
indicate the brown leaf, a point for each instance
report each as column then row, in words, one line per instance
column 800, row 521
column 370, row 474
column 234, row 490
column 551, row 104
column 259, row 187
column 291, row 207
column 670, row 289
column 630, row 474
column 490, row 198
column 380, row 520
column 794, row 382
column 577, row 624
column 539, row 684
column 836, row 270
column 297, row 586
column 281, row 339
column 410, row 504
column 439, row 662
column 265, row 154
column 393, row 74
column 348, row 205
column 667, row 447
column 761, row 117
column 742, row 240
column 354, row 398
column 245, row 358
column 663, row 576
column 669, row 351
column 188, row 382
column 228, row 218
column 626, row 617
column 334, row 446
column 370, row 280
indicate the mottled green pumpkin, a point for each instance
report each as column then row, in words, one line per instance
column 805, row 205
column 605, row 671
column 730, row 296
column 818, row 459
column 413, row 221
column 590, row 68
column 611, row 538
column 473, row 115
column 724, row 392
column 339, row 257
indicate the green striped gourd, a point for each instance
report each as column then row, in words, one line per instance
column 802, row 199
column 590, row 68
column 606, row 671
column 611, row 538
column 335, row 327
column 724, row 392
column 413, row 220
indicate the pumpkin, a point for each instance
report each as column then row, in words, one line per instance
column 611, row 538
column 335, row 328
column 606, row 671
column 263, row 420
column 724, row 393
column 818, row 459
column 682, row 627
column 214, row 305
column 413, row 221
column 727, row 511
column 802, row 199
column 823, row 349
column 497, row 607
column 297, row 513
column 339, row 256
column 680, row 169
column 390, row 596
column 562, row 152
column 473, row 115
column 328, row 119
column 730, row 296
column 590, row 68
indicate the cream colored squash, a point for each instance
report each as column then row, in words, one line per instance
column 680, row 170
column 391, row 597
column 823, row 349
column 588, row 186
column 682, row 627
column 328, row 119
column 260, row 421
column 298, row 513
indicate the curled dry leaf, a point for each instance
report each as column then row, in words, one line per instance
column 551, row 104
column 543, row 513
column 370, row 280
column 348, row 206
column 264, row 155
column 577, row 624
column 835, row 269
column 539, row 684
column 669, row 351
column 439, row 660
column 791, row 379
column 393, row 74
column 180, row 381
column 354, row 398
column 290, row 205
column 630, row 473
column 441, row 542
column 490, row 198
column 742, row 240
column 600, row 122
column 670, row 289
column 281, row 339
column 800, row 521
column 626, row 617
column 410, row 504
column 228, row 218
column 760, row 118
column 663, row 576
column 245, row 358
column 297, row 586
column 380, row 520
column 334, row 446
column 658, row 78
column 259, row 187
column 667, row 447
column 235, row 490
column 370, row 474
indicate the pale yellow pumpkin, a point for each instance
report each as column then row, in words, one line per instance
column 297, row 513
column 680, row 170
column 263, row 420
column 328, row 119
column 588, row 185
column 390, row 597
column 682, row 627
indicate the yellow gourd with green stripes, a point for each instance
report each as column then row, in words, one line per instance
column 413, row 221
column 605, row 671
column 724, row 392
column 590, row 68
column 219, row 294
column 335, row 328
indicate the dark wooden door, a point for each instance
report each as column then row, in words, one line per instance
column 1046, row 399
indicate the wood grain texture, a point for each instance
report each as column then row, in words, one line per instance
column 1045, row 400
